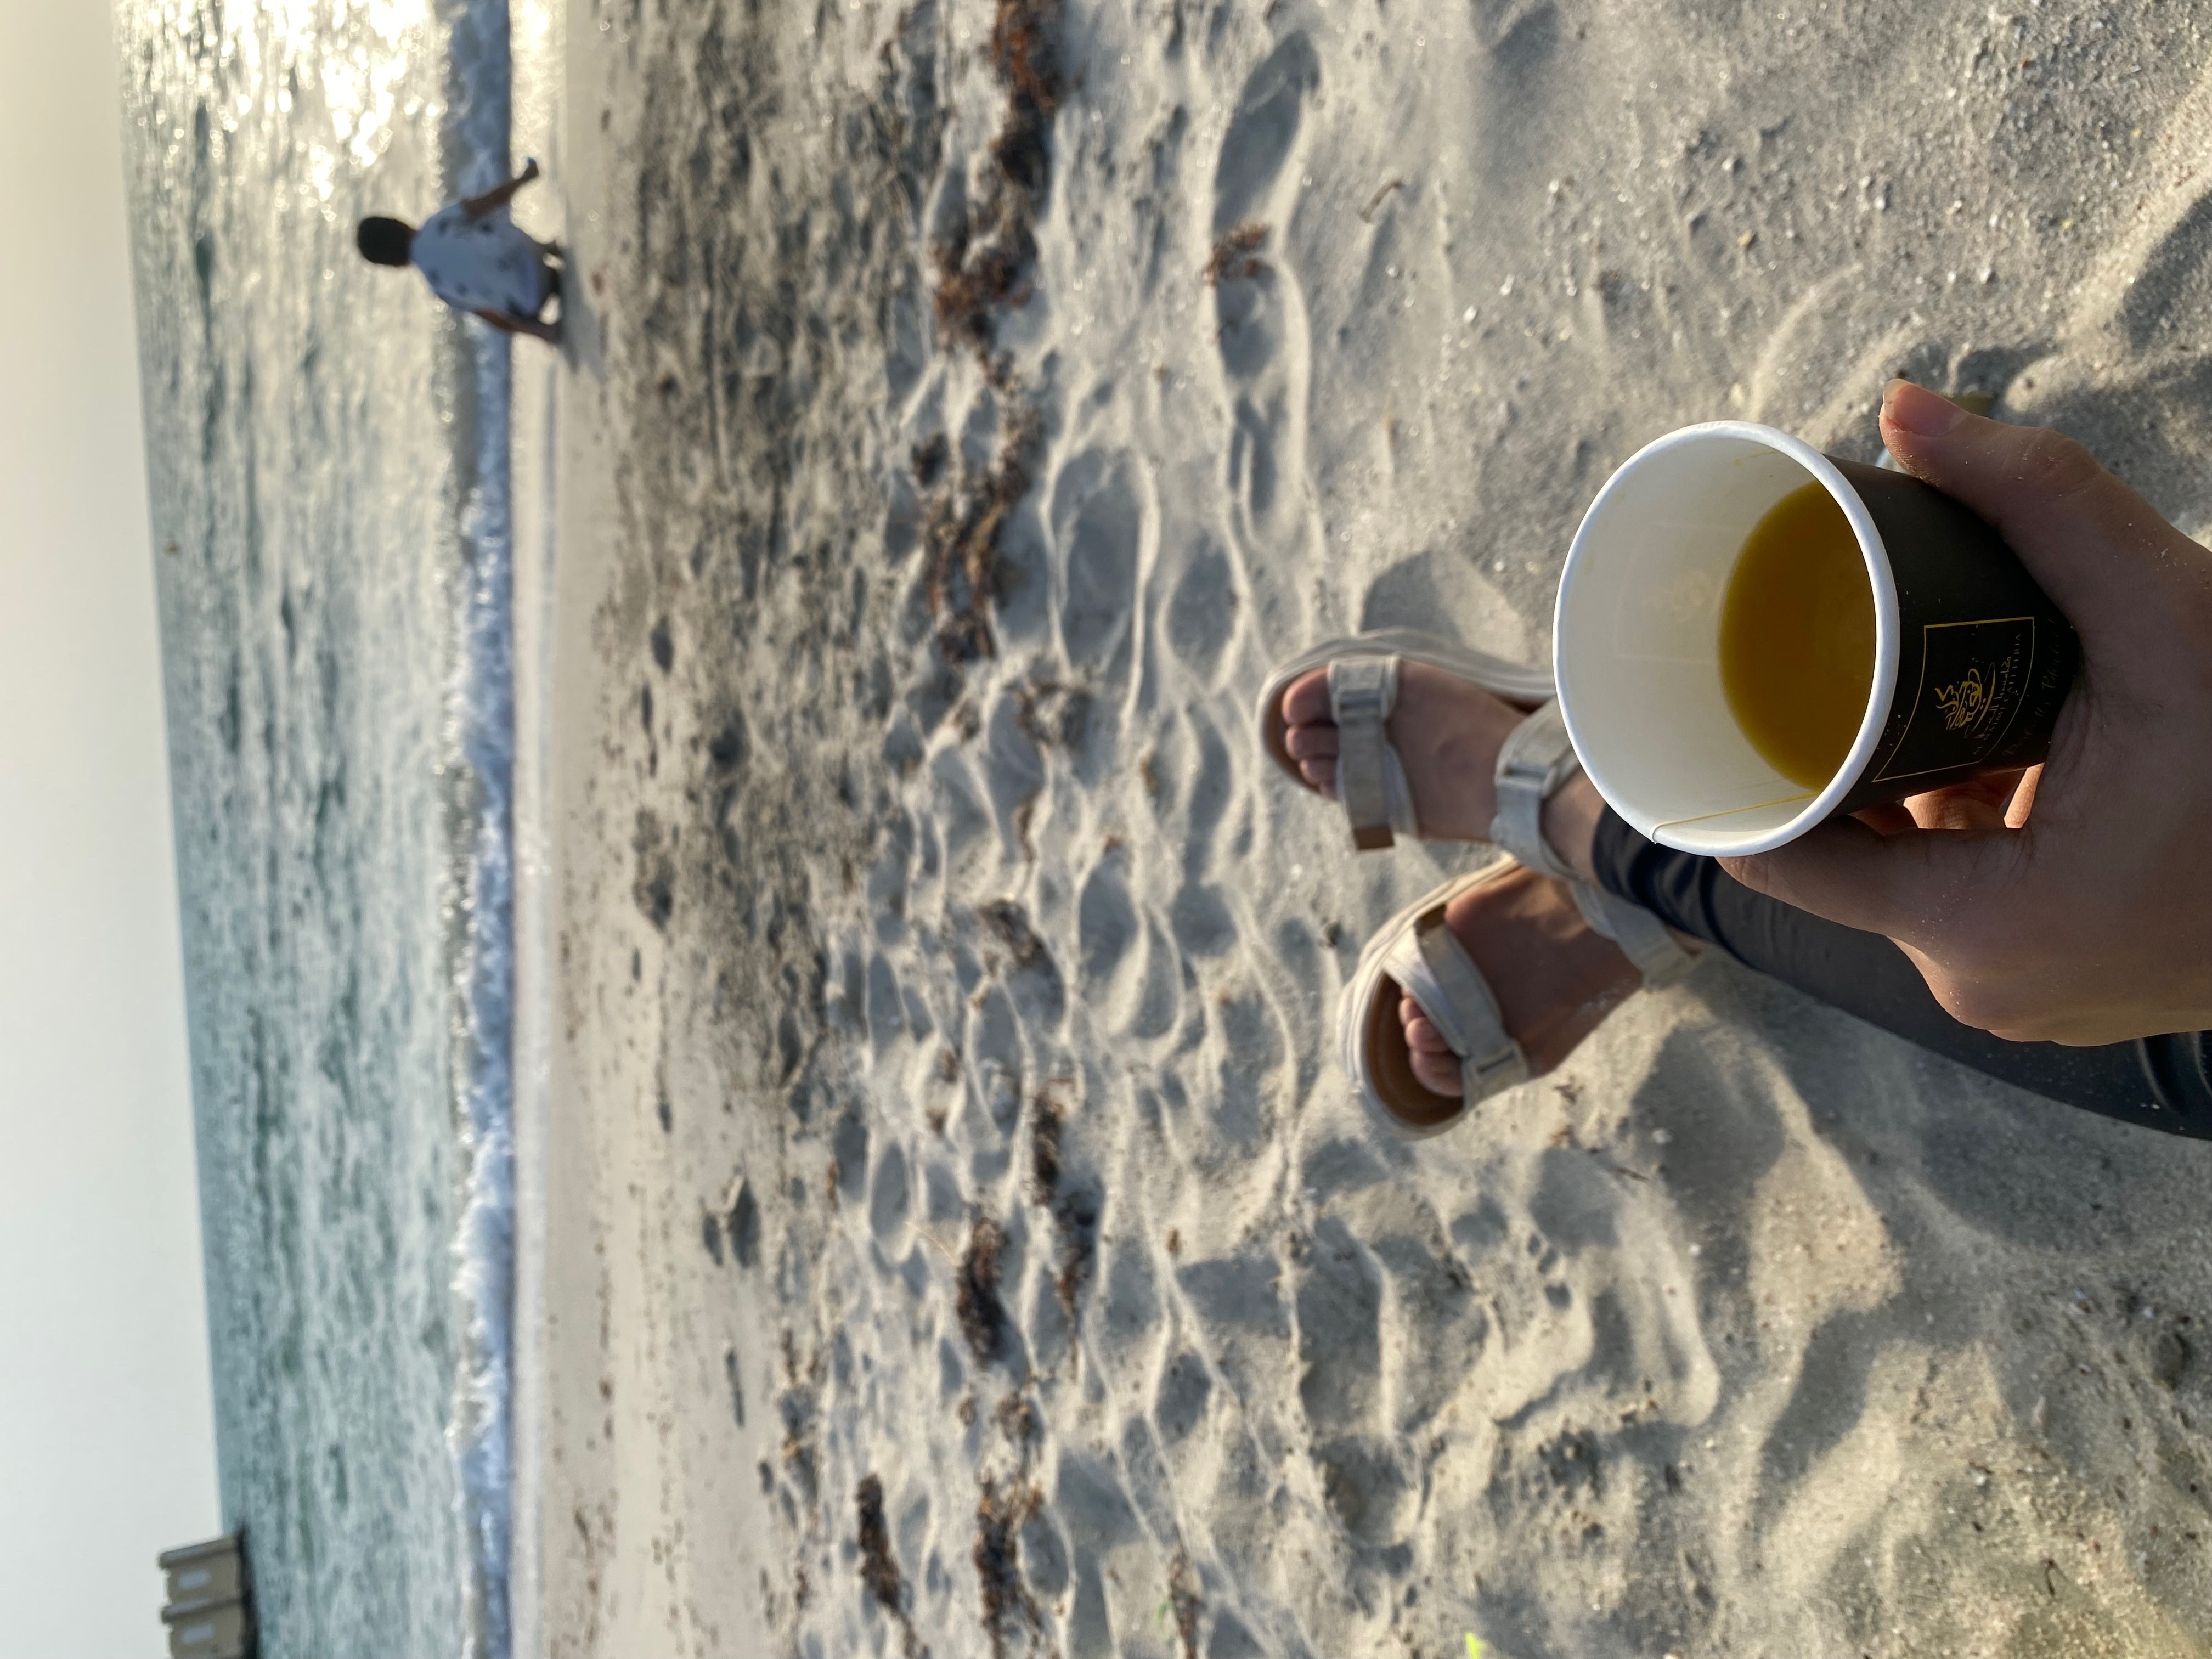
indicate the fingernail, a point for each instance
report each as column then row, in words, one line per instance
column 1915, row 409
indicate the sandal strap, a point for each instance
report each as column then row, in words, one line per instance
column 1535, row 760
column 1370, row 781
column 1434, row 969
column 1642, row 937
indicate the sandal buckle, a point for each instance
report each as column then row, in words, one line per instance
column 1359, row 691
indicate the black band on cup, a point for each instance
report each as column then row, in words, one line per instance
column 1984, row 658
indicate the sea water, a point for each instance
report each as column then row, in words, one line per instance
column 328, row 458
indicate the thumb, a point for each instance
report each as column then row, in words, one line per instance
column 2095, row 546
column 1906, row 886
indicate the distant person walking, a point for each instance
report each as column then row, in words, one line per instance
column 476, row 259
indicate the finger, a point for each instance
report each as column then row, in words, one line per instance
column 1991, row 789
column 1306, row 700
column 1886, row 820
column 2096, row 546
column 2022, row 804
column 1903, row 885
column 1997, row 787
column 1320, row 774
column 1311, row 743
column 1962, row 807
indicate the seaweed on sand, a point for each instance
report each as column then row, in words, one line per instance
column 977, row 276
column 1009, row 923
column 982, row 264
column 1235, row 256
column 1000, row 1519
column 961, row 533
column 1183, row 1597
column 879, row 1571
column 982, row 1315
column 1074, row 1212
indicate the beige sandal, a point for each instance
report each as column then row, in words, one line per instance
column 1414, row 954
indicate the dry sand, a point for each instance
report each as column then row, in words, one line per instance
column 951, row 1232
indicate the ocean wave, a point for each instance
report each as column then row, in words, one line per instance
column 481, row 716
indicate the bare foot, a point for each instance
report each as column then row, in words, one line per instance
column 1554, row 977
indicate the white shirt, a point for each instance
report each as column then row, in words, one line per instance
column 480, row 264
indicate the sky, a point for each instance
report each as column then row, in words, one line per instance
column 107, row 1434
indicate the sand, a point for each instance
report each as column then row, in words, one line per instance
column 944, row 1228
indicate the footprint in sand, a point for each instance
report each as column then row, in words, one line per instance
column 1212, row 779
column 1013, row 771
column 1092, row 1506
column 1098, row 528
column 887, row 879
column 889, row 1198
column 886, row 1006
column 1146, row 1477
column 1339, row 1307
column 944, row 1205
column 1044, row 1557
column 1201, row 612
column 848, row 1146
column 1204, row 924
column 1254, row 1050
column 951, row 1370
column 993, row 1045
column 1231, row 1640
column 1127, row 967
column 1447, row 1330
column 968, row 831
column 1264, row 130
column 1128, row 1308
column 1364, row 1488
column 1234, row 1294
column 1828, row 1402
column 1106, row 925
column 1186, row 1388
column 1259, row 309
column 1050, row 1333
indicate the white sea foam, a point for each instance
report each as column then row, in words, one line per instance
column 483, row 1246
column 482, row 713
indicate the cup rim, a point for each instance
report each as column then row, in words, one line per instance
column 1879, row 694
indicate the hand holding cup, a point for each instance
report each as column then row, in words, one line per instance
column 2072, row 904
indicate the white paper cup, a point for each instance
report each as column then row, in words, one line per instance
column 1636, row 642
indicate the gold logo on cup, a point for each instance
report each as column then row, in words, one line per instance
column 1963, row 703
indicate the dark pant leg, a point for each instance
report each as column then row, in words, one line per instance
column 2162, row 1083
